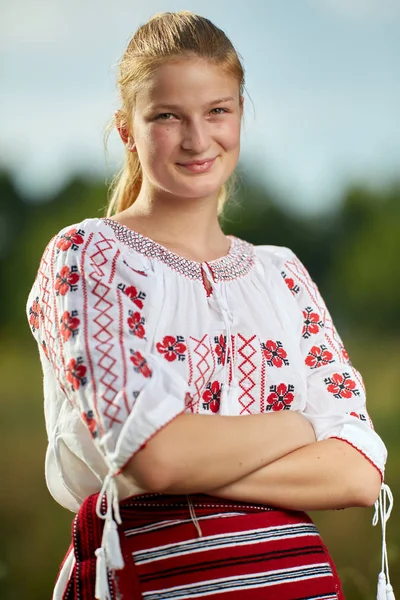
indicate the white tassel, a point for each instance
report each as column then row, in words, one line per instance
column 389, row 592
column 383, row 509
column 112, row 546
column 109, row 555
column 381, row 591
column 102, row 590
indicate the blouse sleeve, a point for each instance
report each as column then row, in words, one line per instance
column 336, row 401
column 92, row 312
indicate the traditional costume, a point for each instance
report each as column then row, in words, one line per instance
column 131, row 335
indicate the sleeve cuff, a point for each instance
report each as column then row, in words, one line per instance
column 366, row 441
column 159, row 402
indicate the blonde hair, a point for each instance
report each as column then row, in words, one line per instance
column 165, row 36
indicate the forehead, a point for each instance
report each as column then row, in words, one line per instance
column 187, row 82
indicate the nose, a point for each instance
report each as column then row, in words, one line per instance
column 195, row 137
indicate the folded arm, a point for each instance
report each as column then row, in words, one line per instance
column 345, row 466
column 325, row 475
column 196, row 453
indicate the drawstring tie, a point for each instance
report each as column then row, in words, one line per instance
column 229, row 393
column 109, row 555
column 383, row 508
column 194, row 517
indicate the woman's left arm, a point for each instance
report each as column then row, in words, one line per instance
column 325, row 475
column 346, row 464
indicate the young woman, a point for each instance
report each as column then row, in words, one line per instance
column 198, row 398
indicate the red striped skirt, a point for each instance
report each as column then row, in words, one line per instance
column 244, row 551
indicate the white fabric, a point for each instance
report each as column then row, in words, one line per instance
column 107, row 297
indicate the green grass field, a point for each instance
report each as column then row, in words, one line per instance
column 36, row 531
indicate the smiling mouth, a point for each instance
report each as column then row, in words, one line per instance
column 200, row 166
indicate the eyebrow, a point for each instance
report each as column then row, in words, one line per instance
column 176, row 107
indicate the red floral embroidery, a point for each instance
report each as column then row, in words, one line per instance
column 220, row 349
column 90, row 422
column 212, row 396
column 34, row 312
column 140, row 364
column 172, row 348
column 359, row 416
column 341, row 386
column 318, row 356
column 66, row 280
column 312, row 323
column 76, row 373
column 71, row 239
column 69, row 324
column 281, row 397
column 136, row 324
column 293, row 287
column 132, row 292
column 274, row 353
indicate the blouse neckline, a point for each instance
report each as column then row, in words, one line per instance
column 236, row 263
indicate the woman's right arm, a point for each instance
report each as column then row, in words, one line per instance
column 196, row 453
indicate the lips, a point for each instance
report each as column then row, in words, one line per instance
column 199, row 166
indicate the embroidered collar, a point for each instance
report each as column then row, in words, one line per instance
column 236, row 263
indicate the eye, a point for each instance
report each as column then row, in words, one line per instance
column 165, row 116
column 220, row 110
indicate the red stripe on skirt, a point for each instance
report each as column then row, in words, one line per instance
column 245, row 551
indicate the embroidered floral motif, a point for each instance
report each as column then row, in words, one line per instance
column 212, row 396
column 275, row 354
column 71, row 239
column 172, row 348
column 34, row 312
column 76, row 373
column 293, row 287
column 220, row 349
column 90, row 422
column 359, row 416
column 319, row 356
column 341, row 386
column 69, row 324
column 66, row 280
column 312, row 323
column 132, row 292
column 281, row 397
column 140, row 364
column 136, row 324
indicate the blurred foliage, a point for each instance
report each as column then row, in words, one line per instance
column 352, row 254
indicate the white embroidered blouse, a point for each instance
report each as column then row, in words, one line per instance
column 130, row 336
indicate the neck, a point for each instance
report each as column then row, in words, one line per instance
column 187, row 226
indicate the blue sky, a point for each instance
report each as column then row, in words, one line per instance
column 323, row 76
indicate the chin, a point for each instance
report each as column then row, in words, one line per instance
column 197, row 192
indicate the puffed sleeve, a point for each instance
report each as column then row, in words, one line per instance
column 92, row 310
column 336, row 401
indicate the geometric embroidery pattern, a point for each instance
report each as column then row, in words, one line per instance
column 237, row 263
column 247, row 367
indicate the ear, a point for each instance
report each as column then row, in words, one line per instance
column 122, row 125
column 241, row 103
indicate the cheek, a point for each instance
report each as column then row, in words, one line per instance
column 161, row 140
column 229, row 135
